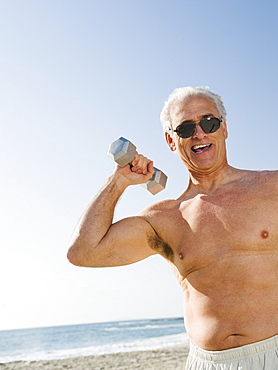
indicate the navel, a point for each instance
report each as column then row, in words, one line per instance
column 264, row 234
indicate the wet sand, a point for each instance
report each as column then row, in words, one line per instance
column 161, row 359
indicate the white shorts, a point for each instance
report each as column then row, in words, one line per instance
column 261, row 355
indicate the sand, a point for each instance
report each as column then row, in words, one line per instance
column 161, row 359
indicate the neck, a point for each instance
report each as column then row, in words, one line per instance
column 206, row 182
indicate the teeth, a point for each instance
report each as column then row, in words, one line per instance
column 200, row 146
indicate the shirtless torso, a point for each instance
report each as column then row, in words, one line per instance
column 220, row 236
column 224, row 248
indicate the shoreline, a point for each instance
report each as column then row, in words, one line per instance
column 173, row 357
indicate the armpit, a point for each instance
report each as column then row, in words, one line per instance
column 158, row 244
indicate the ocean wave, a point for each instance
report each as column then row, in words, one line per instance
column 142, row 345
column 147, row 326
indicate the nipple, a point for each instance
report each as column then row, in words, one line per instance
column 264, row 234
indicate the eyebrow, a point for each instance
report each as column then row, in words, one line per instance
column 202, row 117
column 208, row 115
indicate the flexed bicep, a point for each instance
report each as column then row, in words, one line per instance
column 126, row 241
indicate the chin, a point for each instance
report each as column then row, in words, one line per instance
column 202, row 169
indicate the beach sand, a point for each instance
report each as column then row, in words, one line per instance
column 161, row 359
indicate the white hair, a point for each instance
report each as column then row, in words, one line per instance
column 180, row 94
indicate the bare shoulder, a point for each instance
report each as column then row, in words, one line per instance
column 158, row 216
column 271, row 176
column 268, row 179
column 159, row 210
column 259, row 185
column 255, row 177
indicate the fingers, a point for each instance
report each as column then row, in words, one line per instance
column 139, row 171
column 141, row 164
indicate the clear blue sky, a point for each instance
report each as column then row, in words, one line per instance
column 76, row 75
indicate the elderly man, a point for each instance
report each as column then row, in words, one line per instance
column 220, row 236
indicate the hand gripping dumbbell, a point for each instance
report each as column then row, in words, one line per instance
column 122, row 151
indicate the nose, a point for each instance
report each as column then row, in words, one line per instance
column 199, row 133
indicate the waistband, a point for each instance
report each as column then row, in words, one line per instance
column 237, row 353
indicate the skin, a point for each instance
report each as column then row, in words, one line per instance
column 220, row 236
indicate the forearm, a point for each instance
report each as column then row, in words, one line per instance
column 96, row 220
column 96, row 241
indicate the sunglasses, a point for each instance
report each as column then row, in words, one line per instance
column 187, row 128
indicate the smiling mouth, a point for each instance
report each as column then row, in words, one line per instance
column 200, row 148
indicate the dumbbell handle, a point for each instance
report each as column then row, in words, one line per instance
column 122, row 151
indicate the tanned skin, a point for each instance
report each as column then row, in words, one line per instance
column 220, row 236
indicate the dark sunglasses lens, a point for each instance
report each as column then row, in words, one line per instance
column 185, row 130
column 210, row 125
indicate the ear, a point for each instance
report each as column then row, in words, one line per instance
column 170, row 141
column 224, row 123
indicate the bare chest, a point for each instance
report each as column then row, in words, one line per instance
column 206, row 229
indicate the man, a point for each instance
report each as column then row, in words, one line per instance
column 220, row 236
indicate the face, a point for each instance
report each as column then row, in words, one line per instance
column 202, row 152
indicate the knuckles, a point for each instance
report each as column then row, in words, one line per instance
column 140, row 164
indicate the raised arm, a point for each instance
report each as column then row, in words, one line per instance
column 97, row 241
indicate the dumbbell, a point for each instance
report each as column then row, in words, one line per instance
column 122, row 151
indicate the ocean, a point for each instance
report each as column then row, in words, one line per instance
column 59, row 342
